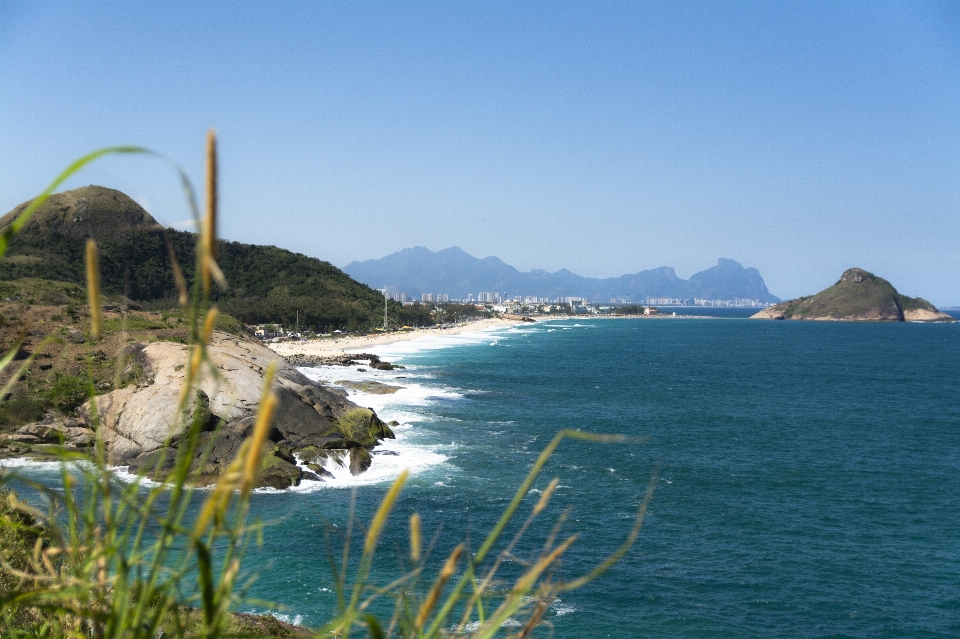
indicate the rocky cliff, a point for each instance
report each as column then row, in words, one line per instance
column 859, row 296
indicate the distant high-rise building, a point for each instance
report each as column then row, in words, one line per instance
column 426, row 297
column 443, row 297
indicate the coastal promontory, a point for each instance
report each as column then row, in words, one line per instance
column 123, row 384
column 859, row 296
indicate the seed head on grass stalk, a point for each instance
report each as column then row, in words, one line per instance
column 449, row 566
column 183, row 297
column 242, row 471
column 208, row 239
column 260, row 429
column 93, row 287
column 415, row 537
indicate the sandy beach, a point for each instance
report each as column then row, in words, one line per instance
column 338, row 345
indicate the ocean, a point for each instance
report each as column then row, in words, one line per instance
column 808, row 474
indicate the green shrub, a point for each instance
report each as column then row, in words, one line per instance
column 22, row 410
column 68, row 391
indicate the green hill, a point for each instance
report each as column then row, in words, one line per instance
column 859, row 296
column 265, row 283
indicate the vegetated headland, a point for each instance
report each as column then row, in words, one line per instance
column 135, row 367
column 858, row 296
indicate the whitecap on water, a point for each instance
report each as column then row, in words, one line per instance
column 561, row 608
column 396, row 351
column 390, row 459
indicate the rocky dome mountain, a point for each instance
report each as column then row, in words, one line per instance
column 454, row 272
column 266, row 283
column 89, row 212
column 859, row 296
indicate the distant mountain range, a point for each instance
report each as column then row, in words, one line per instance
column 454, row 272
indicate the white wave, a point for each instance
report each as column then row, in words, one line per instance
column 296, row 620
column 123, row 474
column 389, row 459
column 293, row 620
column 52, row 470
column 396, row 351
column 24, row 462
column 473, row 626
column 412, row 394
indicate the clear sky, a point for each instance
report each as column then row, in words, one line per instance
column 801, row 138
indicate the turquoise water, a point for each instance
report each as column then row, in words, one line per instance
column 809, row 473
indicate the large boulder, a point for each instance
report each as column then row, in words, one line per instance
column 143, row 426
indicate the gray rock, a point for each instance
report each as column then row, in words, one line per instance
column 19, row 439
column 51, row 433
column 80, row 437
column 278, row 473
column 360, row 460
column 319, row 470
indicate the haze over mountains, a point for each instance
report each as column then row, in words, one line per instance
column 456, row 273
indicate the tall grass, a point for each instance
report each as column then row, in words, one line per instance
column 128, row 560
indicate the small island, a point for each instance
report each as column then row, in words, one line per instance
column 859, row 296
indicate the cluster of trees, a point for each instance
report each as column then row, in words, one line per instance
column 629, row 309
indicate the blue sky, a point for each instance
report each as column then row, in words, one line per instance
column 801, row 138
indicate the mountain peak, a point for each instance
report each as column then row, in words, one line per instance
column 856, row 276
column 90, row 212
column 722, row 261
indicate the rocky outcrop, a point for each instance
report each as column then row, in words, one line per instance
column 370, row 387
column 926, row 315
column 859, row 296
column 347, row 359
column 143, row 427
column 53, row 429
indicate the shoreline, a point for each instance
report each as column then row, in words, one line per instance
column 342, row 345
column 335, row 346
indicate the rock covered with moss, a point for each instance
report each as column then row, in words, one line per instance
column 142, row 427
column 859, row 296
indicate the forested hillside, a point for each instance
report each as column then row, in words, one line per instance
column 265, row 283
